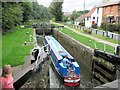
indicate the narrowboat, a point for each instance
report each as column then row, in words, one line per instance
column 64, row 63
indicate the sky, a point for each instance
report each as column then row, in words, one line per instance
column 71, row 5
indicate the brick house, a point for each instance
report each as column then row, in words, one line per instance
column 111, row 12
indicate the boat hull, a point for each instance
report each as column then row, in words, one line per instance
column 73, row 82
column 70, row 74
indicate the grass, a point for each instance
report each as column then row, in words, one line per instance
column 13, row 50
column 87, row 41
column 104, row 38
column 93, row 34
column 99, row 36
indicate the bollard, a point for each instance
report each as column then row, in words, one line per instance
column 103, row 33
column 96, row 31
column 112, row 36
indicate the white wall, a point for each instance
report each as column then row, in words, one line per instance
column 77, row 22
column 100, row 17
column 88, row 23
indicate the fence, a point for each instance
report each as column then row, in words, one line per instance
column 108, row 34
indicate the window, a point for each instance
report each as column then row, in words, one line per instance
column 93, row 17
column 97, row 19
column 87, row 18
column 97, row 10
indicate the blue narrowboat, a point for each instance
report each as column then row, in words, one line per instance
column 64, row 63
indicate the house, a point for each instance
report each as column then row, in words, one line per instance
column 111, row 11
column 67, row 14
column 94, row 16
column 80, row 20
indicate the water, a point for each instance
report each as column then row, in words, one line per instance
column 56, row 81
column 40, row 40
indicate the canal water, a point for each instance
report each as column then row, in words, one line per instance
column 56, row 82
column 49, row 77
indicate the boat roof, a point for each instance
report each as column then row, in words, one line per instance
column 57, row 48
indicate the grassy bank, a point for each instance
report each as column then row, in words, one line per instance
column 87, row 41
column 93, row 34
column 13, row 48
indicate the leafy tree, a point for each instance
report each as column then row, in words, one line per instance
column 11, row 15
column 56, row 10
column 40, row 12
column 75, row 14
column 27, row 9
column 16, row 13
column 65, row 19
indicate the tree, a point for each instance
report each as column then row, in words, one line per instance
column 40, row 12
column 65, row 19
column 75, row 14
column 27, row 9
column 11, row 15
column 56, row 10
column 16, row 13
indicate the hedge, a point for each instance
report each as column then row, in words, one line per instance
column 110, row 26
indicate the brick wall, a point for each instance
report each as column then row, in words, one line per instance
column 110, row 10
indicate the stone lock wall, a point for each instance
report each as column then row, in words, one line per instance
column 82, row 54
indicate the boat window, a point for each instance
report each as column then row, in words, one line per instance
column 62, row 53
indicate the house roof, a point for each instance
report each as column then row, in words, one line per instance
column 110, row 3
column 67, row 14
column 80, row 18
column 90, row 12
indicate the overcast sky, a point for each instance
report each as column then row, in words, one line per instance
column 70, row 5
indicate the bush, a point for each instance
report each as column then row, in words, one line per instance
column 88, row 31
column 111, row 27
column 118, row 28
column 94, row 26
column 103, row 25
column 82, row 24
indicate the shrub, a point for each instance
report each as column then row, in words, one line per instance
column 82, row 24
column 111, row 27
column 88, row 31
column 94, row 26
column 118, row 28
column 103, row 25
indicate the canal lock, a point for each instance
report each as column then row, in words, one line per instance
column 94, row 71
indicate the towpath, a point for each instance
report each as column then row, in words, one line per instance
column 94, row 38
